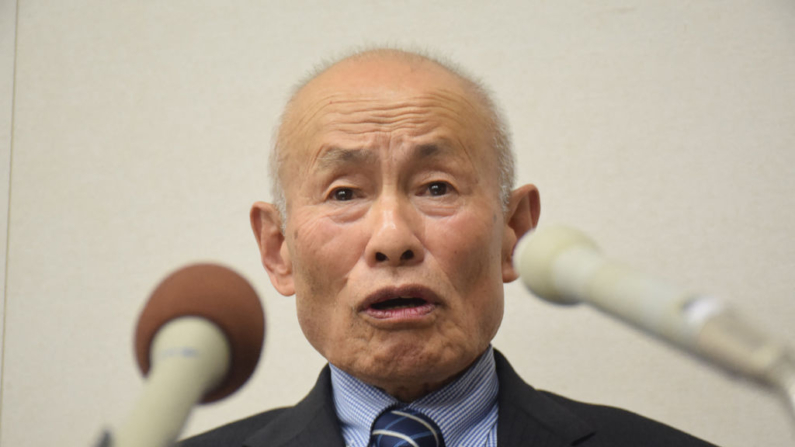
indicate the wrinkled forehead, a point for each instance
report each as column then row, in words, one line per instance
column 382, row 95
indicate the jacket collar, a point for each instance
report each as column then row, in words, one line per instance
column 526, row 417
column 313, row 422
column 529, row 417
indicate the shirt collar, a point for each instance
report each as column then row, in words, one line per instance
column 464, row 408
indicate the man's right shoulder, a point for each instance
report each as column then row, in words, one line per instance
column 234, row 433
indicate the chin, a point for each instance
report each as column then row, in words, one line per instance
column 411, row 364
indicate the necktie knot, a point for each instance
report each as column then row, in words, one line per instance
column 398, row 427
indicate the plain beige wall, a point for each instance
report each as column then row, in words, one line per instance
column 8, row 18
column 663, row 128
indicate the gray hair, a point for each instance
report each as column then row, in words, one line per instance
column 501, row 136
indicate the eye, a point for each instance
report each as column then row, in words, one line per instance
column 438, row 188
column 342, row 194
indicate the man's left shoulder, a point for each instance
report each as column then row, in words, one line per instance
column 526, row 412
column 618, row 427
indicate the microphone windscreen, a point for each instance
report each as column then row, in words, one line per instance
column 219, row 295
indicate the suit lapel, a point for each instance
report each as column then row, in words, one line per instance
column 529, row 418
column 312, row 422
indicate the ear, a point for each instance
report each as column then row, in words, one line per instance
column 524, row 207
column 267, row 226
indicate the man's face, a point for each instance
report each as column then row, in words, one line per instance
column 395, row 239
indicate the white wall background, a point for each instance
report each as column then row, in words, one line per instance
column 666, row 129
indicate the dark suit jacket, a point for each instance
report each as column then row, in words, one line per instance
column 526, row 418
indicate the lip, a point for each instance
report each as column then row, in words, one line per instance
column 415, row 291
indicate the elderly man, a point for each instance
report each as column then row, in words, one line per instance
column 394, row 226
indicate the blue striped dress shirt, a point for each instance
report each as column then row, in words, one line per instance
column 465, row 410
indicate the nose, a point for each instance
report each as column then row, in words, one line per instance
column 394, row 240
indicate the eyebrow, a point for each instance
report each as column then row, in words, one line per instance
column 336, row 156
column 434, row 151
column 430, row 150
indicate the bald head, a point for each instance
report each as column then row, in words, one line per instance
column 384, row 72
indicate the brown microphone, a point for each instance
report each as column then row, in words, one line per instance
column 219, row 295
column 198, row 339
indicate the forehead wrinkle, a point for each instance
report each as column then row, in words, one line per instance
column 355, row 112
column 388, row 107
column 411, row 119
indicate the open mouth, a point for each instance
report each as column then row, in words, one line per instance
column 399, row 303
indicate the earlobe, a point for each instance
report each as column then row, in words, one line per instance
column 524, row 209
column 266, row 224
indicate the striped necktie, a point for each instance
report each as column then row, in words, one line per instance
column 397, row 427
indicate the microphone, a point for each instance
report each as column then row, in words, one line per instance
column 562, row 265
column 198, row 338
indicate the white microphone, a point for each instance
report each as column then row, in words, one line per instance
column 564, row 266
column 198, row 338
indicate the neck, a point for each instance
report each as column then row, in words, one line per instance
column 410, row 390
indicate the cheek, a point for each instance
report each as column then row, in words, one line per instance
column 323, row 254
column 468, row 248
